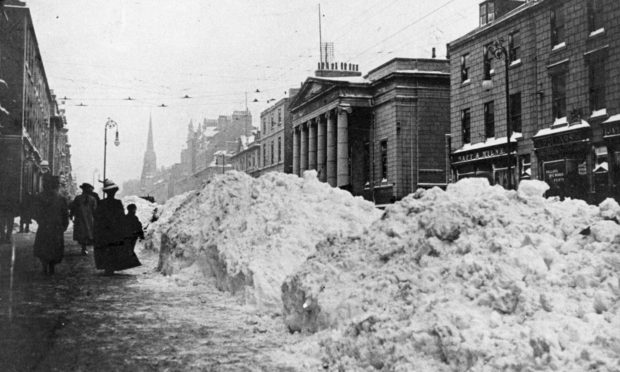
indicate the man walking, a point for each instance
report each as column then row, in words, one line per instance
column 83, row 212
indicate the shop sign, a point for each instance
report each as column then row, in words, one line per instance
column 555, row 172
column 581, row 169
column 480, row 154
column 561, row 139
column 611, row 130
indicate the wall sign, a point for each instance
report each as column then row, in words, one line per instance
column 611, row 130
column 479, row 155
column 562, row 139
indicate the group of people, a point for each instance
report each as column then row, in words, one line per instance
column 99, row 223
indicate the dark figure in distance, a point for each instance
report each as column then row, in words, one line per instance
column 109, row 231
column 133, row 226
column 25, row 213
column 83, row 215
column 52, row 215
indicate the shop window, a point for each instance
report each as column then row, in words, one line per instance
column 514, row 46
column 597, row 84
column 464, row 68
column 487, row 64
column 525, row 167
column 515, row 112
column 279, row 149
column 466, row 125
column 557, row 26
column 595, row 15
column 489, row 119
column 384, row 159
column 487, row 12
column 558, row 93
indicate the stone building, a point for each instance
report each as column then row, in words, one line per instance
column 563, row 96
column 32, row 129
column 246, row 156
column 382, row 135
column 276, row 139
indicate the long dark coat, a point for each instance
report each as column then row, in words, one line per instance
column 52, row 215
column 83, row 213
column 109, row 232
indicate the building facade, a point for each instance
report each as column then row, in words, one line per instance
column 382, row 135
column 562, row 101
column 33, row 137
column 276, row 137
column 246, row 157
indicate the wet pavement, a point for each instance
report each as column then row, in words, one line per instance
column 137, row 320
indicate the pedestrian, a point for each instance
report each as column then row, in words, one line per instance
column 111, row 251
column 134, row 227
column 82, row 213
column 25, row 213
column 6, row 224
column 52, row 216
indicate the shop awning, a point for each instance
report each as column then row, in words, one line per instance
column 490, row 142
column 561, row 129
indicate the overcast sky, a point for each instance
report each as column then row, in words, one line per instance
column 100, row 52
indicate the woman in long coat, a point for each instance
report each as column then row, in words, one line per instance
column 82, row 211
column 52, row 215
column 109, row 229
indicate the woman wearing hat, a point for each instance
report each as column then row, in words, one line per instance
column 109, row 231
column 82, row 213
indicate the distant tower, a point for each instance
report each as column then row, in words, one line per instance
column 149, row 167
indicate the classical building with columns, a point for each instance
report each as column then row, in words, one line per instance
column 382, row 135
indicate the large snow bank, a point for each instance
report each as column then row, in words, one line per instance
column 475, row 278
column 250, row 233
column 161, row 218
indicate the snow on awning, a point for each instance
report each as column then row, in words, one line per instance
column 612, row 119
column 4, row 110
column 561, row 129
column 490, row 142
column 601, row 168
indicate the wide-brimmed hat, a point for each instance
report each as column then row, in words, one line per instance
column 86, row 185
column 108, row 185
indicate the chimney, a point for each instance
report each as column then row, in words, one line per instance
column 434, row 55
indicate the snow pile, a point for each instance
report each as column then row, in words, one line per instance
column 250, row 233
column 475, row 278
column 161, row 219
column 145, row 210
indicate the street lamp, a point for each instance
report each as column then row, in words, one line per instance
column 109, row 124
column 499, row 51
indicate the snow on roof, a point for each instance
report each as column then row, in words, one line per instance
column 210, row 131
column 347, row 79
column 612, row 119
column 566, row 128
column 416, row 71
column 490, row 142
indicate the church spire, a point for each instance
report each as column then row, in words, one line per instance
column 149, row 143
column 149, row 166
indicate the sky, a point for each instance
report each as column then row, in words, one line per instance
column 98, row 53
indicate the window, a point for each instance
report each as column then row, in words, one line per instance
column 487, row 65
column 489, row 119
column 466, row 125
column 597, row 84
column 514, row 46
column 273, row 121
column 264, row 155
column 558, row 93
column 515, row 112
column 272, row 153
column 487, row 12
column 384, row 160
column 279, row 149
column 557, row 26
column 595, row 15
column 464, row 68
column 265, row 125
column 279, row 116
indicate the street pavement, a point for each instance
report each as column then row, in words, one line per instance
column 137, row 320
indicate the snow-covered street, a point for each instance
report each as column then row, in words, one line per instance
column 137, row 320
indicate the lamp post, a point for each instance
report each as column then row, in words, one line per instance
column 109, row 124
column 499, row 51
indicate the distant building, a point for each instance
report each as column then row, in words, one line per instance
column 382, row 135
column 276, row 138
column 564, row 96
column 246, row 156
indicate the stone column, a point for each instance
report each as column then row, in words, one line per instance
column 321, row 156
column 331, row 149
column 342, row 147
column 303, row 148
column 296, row 150
column 312, row 144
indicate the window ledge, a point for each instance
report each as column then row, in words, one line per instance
column 560, row 122
column 559, row 46
column 595, row 33
column 466, row 82
column 516, row 63
column 598, row 113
